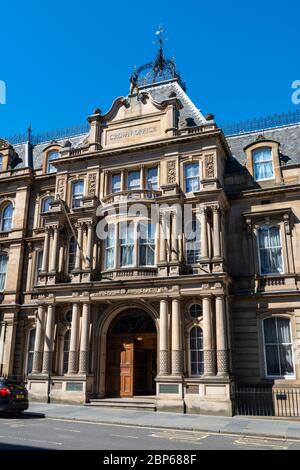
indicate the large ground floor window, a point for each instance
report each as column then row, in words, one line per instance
column 278, row 347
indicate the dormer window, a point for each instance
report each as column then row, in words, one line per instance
column 263, row 164
column 52, row 156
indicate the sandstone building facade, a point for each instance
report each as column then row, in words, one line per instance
column 205, row 297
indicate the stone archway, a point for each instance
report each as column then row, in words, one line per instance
column 131, row 354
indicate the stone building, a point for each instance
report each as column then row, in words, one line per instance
column 205, row 297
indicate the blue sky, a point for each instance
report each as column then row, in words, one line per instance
column 61, row 59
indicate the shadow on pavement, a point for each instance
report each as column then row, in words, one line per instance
column 25, row 415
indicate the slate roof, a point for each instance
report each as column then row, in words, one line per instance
column 287, row 136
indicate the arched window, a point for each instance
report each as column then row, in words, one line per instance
column 52, row 156
column 6, row 218
column 30, row 350
column 46, row 203
column 72, row 254
column 263, row 164
column 270, row 250
column 278, row 347
column 77, row 193
column 3, row 269
column 196, row 351
column 67, row 338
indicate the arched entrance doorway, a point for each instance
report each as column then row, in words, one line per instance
column 131, row 355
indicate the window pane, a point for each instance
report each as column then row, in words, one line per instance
column 270, row 250
column 270, row 330
column 77, row 192
column 46, row 204
column 6, row 222
column 72, row 254
column 3, row 268
column 116, row 183
column 263, row 164
column 272, row 360
column 52, row 156
column 283, row 328
column 152, row 178
column 196, row 350
column 133, row 180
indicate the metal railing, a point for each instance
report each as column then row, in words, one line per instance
column 256, row 400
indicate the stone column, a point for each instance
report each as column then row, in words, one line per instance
column 209, row 356
column 204, row 240
column 79, row 247
column 48, row 342
column 105, row 189
column 84, row 340
column 142, row 176
column 174, row 249
column 164, row 367
column 221, row 337
column 73, row 353
column 177, row 359
column 89, row 247
column 54, row 254
column 46, row 250
column 162, row 241
column 37, row 355
column 216, row 228
column 122, row 182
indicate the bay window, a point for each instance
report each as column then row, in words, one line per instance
column 126, row 243
column 192, row 177
column 263, row 164
column 146, row 244
column 152, row 178
column 116, row 183
column 133, row 180
column 278, row 347
column 110, row 247
column 270, row 250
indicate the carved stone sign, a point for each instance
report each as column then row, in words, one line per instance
column 209, row 166
column 121, row 292
column 92, row 177
column 133, row 134
column 171, row 171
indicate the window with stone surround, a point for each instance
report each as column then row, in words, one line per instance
column 51, row 156
column 193, row 241
column 192, row 177
column 196, row 351
column 116, row 182
column 263, row 164
column 77, row 193
column 3, row 270
column 270, row 250
column 30, row 350
column 151, row 179
column 278, row 347
column 6, row 217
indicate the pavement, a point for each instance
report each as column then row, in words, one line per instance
column 237, row 425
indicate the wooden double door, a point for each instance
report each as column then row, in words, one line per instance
column 131, row 365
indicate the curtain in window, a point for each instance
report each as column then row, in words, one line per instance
column 3, row 269
column 110, row 247
column 152, row 179
column 77, row 193
column 270, row 250
column 196, row 351
column 126, row 243
column 263, row 164
column 116, row 183
column 52, row 156
column 278, row 347
column 147, row 244
column 133, row 180
column 192, row 182
column 6, row 220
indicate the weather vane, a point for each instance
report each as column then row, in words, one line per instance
column 159, row 34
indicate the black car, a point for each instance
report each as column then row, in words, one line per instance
column 13, row 396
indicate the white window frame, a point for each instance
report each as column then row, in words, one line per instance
column 290, row 376
column 262, row 162
column 50, row 167
column 195, row 221
column 129, row 224
column 77, row 196
column 259, row 249
column 139, row 178
column 4, row 273
column 9, row 204
column 147, row 244
column 110, row 248
column 192, row 163
column 149, row 185
column 118, row 189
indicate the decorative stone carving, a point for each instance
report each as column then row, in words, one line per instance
column 47, row 361
column 92, row 180
column 209, row 165
column 37, row 362
column 171, row 171
column 209, row 360
column 73, row 362
column 84, row 362
column 177, row 362
column 287, row 225
column 142, row 291
column 61, row 188
column 164, row 368
column 222, row 362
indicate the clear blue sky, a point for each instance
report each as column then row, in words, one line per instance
column 61, row 59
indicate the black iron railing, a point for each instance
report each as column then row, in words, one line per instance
column 256, row 400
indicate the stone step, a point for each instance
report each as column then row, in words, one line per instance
column 123, row 403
